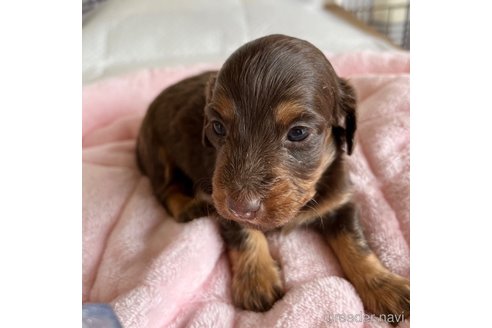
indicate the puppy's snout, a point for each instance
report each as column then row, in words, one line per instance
column 244, row 209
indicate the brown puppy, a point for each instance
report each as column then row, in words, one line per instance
column 260, row 145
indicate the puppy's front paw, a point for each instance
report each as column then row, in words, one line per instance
column 388, row 294
column 256, row 287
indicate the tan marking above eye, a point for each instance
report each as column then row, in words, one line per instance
column 287, row 112
column 224, row 106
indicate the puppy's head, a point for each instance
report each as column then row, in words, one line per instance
column 278, row 116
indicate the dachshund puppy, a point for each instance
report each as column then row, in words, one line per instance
column 260, row 145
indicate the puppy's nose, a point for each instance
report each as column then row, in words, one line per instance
column 244, row 209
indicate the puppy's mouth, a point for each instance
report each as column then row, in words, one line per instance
column 253, row 224
column 253, row 216
column 256, row 222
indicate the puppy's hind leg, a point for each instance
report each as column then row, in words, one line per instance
column 178, row 200
column 170, row 186
column 175, row 192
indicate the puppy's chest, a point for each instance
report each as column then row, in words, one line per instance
column 318, row 208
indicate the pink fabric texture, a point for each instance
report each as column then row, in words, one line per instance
column 159, row 273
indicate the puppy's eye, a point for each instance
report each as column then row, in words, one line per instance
column 298, row 133
column 219, row 128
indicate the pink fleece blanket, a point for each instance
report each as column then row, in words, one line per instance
column 159, row 273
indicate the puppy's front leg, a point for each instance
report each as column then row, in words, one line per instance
column 256, row 283
column 381, row 291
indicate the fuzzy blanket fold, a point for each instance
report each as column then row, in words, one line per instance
column 159, row 273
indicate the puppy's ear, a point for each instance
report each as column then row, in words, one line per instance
column 209, row 91
column 347, row 116
column 210, row 87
